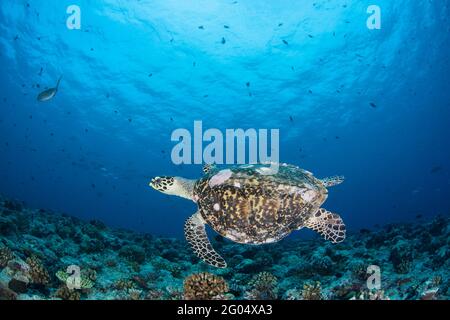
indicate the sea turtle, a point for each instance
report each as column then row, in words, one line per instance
column 248, row 204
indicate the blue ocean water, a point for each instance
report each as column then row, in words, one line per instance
column 373, row 105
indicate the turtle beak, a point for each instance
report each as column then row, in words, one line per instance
column 154, row 182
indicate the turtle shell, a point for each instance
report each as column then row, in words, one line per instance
column 254, row 204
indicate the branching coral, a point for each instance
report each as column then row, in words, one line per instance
column 38, row 274
column 155, row 294
column 124, row 284
column 263, row 286
column 134, row 294
column 312, row 291
column 87, row 278
column 205, row 286
column 5, row 256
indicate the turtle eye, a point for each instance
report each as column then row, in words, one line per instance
column 156, row 182
column 162, row 183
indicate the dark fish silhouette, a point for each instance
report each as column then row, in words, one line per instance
column 49, row 93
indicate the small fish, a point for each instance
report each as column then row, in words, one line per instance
column 224, row 41
column 49, row 93
column 291, row 119
column 201, row 27
column 373, row 105
column 226, row 27
column 285, row 42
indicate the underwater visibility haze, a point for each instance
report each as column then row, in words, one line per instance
column 88, row 110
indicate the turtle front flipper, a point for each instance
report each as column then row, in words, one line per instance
column 329, row 225
column 332, row 181
column 195, row 233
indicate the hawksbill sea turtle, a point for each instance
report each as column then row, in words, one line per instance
column 248, row 205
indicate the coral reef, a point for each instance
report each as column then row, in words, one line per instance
column 64, row 293
column 263, row 286
column 37, row 271
column 5, row 256
column 87, row 278
column 37, row 247
column 312, row 291
column 205, row 286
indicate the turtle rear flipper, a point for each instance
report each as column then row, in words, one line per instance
column 195, row 233
column 329, row 225
column 332, row 181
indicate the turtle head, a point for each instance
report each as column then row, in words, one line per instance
column 175, row 186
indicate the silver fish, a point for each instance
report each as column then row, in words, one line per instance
column 49, row 93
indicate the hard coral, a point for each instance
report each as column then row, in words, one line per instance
column 204, row 286
column 124, row 284
column 87, row 278
column 38, row 274
column 312, row 291
column 263, row 287
column 5, row 256
column 134, row 294
column 65, row 293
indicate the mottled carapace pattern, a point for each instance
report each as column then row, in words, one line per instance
column 255, row 208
